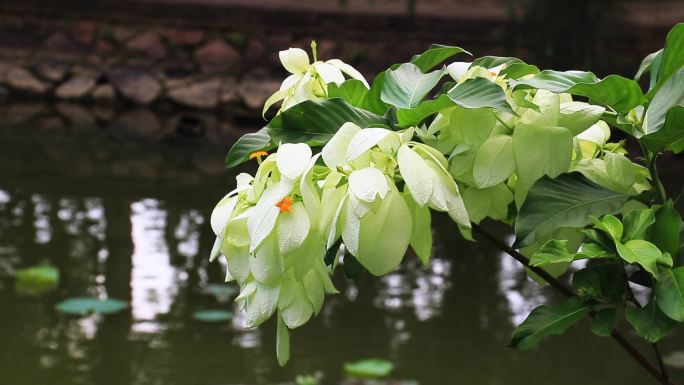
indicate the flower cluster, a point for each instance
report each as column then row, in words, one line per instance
column 275, row 228
column 308, row 81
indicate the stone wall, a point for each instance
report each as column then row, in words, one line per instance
column 204, row 56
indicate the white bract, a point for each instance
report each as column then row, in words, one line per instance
column 308, row 81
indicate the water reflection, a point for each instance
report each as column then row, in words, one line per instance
column 146, row 241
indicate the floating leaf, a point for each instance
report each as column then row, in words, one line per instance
column 221, row 290
column 212, row 315
column 370, row 368
column 36, row 280
column 88, row 305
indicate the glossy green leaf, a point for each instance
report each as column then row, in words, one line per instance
column 650, row 322
column 604, row 322
column 620, row 93
column 491, row 202
column 86, row 305
column 566, row 201
column 601, row 282
column 471, row 94
column 541, row 151
column 247, row 144
column 670, row 94
column 670, row 135
column 493, row 61
column 212, row 315
column 669, row 293
column 611, row 226
column 577, row 117
column 641, row 252
column 434, row 56
column 494, row 161
column 315, row 122
column 352, row 90
column 369, row 368
column 407, row 85
column 650, row 64
column 637, row 223
column 545, row 320
column 553, row 251
column 673, row 53
column 665, row 232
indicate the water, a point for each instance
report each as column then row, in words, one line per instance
column 126, row 217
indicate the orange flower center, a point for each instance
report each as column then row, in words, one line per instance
column 285, row 205
column 257, row 154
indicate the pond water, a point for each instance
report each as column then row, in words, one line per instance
column 125, row 216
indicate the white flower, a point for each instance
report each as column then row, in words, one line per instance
column 308, row 81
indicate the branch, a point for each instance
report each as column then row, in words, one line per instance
column 618, row 337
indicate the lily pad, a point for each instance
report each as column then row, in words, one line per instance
column 370, row 368
column 36, row 280
column 221, row 290
column 88, row 305
column 212, row 315
column 675, row 360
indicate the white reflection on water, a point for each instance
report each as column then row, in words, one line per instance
column 421, row 289
column 4, row 197
column 153, row 279
column 522, row 294
column 41, row 222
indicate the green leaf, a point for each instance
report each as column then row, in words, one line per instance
column 493, row 61
column 553, row 251
column 369, row 368
column 566, row 201
column 650, row 322
column 651, row 64
column 36, row 280
column 471, row 93
column 603, row 324
column 212, row 315
column 494, row 161
column 637, row 223
column 577, row 117
column 670, row 94
column 478, row 93
column 373, row 102
column 282, row 342
column 665, row 232
column 435, row 55
column 673, row 53
column 670, row 135
column 407, row 85
column 545, row 320
column 669, row 293
column 247, row 144
column 315, row 122
column 385, row 235
column 603, row 283
column 541, row 151
column 620, row 93
column 352, row 90
column 611, row 226
column 421, row 233
column 641, row 252
column 85, row 306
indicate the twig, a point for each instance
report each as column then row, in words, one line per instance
column 618, row 337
